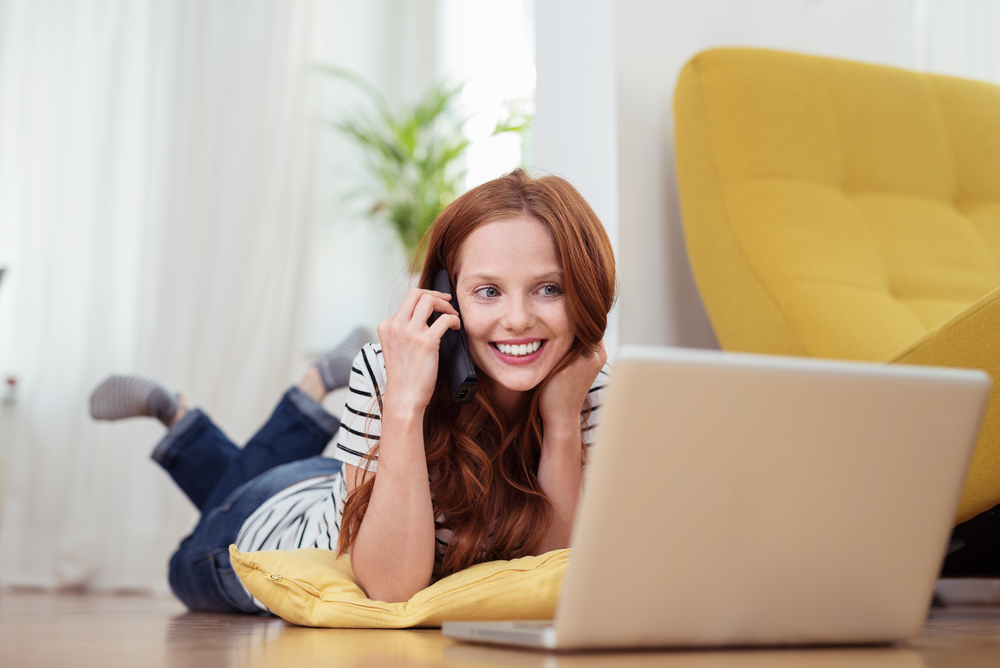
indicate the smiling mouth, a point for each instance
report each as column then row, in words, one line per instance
column 521, row 350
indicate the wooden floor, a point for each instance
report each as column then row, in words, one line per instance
column 83, row 631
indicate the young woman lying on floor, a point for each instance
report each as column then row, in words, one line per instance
column 420, row 486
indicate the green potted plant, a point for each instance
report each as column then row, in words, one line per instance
column 413, row 154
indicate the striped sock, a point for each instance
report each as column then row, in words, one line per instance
column 131, row 396
column 335, row 366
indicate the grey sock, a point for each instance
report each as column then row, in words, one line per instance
column 335, row 366
column 131, row 396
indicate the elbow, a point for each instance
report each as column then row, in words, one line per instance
column 397, row 588
column 394, row 591
column 393, row 594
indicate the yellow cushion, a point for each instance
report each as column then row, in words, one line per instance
column 312, row 587
column 846, row 210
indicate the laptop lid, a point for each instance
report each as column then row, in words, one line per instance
column 745, row 500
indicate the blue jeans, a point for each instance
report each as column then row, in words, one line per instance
column 228, row 484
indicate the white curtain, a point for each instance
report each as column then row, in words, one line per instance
column 958, row 37
column 156, row 198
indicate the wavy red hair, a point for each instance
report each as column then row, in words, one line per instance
column 484, row 466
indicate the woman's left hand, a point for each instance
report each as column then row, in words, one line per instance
column 562, row 396
column 560, row 467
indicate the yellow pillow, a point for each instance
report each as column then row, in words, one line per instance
column 312, row 587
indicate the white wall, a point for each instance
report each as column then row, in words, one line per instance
column 624, row 156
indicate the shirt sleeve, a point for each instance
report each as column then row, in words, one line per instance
column 595, row 399
column 361, row 422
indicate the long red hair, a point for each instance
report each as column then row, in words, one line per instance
column 484, row 466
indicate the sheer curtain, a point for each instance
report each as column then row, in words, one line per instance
column 156, row 162
column 958, row 37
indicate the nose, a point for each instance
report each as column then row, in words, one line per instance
column 518, row 314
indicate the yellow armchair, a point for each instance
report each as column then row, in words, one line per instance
column 845, row 210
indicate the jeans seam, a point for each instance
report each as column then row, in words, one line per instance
column 221, row 588
column 183, row 439
column 314, row 411
column 238, row 494
column 241, row 491
column 219, row 527
column 314, row 429
column 308, row 422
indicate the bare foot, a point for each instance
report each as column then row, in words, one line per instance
column 311, row 384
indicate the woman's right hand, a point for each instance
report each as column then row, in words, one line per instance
column 411, row 348
column 393, row 553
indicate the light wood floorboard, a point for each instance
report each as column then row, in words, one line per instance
column 108, row 631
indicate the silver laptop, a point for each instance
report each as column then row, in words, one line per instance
column 738, row 499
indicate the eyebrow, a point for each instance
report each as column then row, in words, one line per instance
column 489, row 278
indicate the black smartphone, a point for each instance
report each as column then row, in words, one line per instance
column 455, row 360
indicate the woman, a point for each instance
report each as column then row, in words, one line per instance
column 422, row 487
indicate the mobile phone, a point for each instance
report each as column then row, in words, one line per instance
column 455, row 360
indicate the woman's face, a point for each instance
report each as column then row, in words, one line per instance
column 510, row 293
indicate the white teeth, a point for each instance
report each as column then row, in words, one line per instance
column 519, row 350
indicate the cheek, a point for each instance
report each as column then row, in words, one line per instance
column 560, row 329
column 559, row 322
column 475, row 326
column 477, row 336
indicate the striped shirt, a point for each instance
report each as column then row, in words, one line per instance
column 361, row 426
column 308, row 513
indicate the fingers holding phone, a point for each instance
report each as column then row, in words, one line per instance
column 456, row 362
column 411, row 346
column 421, row 305
column 430, row 308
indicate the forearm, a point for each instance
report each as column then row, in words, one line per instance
column 560, row 474
column 393, row 554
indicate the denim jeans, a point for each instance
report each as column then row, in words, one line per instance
column 228, row 484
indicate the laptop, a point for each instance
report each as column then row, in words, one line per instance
column 747, row 500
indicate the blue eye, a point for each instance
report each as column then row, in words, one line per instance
column 551, row 290
column 489, row 292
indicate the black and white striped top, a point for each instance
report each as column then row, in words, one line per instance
column 361, row 425
column 308, row 514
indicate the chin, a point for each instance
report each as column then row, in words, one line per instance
column 518, row 382
column 512, row 377
column 521, row 386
